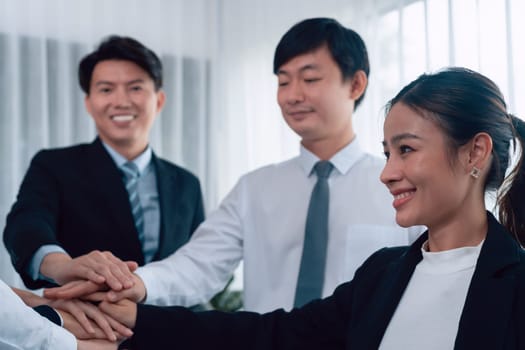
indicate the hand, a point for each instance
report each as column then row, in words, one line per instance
column 96, row 345
column 84, row 313
column 98, row 267
column 75, row 289
column 137, row 293
column 124, row 311
column 88, row 290
column 72, row 325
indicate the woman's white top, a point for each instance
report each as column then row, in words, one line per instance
column 428, row 313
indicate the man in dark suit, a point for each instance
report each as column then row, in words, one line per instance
column 77, row 214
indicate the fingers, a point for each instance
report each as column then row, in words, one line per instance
column 125, row 311
column 96, row 297
column 100, row 319
column 98, row 267
column 81, row 311
column 114, row 297
column 119, row 327
column 72, row 325
column 90, row 274
column 137, row 293
column 74, row 289
column 114, row 272
column 73, row 308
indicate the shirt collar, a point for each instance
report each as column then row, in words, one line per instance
column 142, row 161
column 342, row 160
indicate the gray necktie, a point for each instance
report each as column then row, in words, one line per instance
column 131, row 177
column 311, row 272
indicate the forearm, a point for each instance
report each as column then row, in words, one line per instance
column 155, row 327
column 30, row 299
column 31, row 223
column 192, row 275
column 24, row 235
column 23, row 327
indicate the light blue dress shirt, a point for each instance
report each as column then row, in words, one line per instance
column 149, row 200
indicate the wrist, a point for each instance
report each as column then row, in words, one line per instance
column 142, row 293
column 30, row 299
column 52, row 266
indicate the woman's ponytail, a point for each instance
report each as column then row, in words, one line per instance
column 512, row 200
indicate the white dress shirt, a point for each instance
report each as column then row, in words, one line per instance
column 24, row 329
column 262, row 221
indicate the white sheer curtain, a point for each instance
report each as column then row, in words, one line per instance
column 41, row 105
column 222, row 118
column 409, row 37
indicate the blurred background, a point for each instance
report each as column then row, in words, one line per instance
column 221, row 118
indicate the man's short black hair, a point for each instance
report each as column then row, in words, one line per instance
column 120, row 48
column 346, row 46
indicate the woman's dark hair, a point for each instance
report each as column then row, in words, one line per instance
column 463, row 103
column 346, row 46
column 120, row 48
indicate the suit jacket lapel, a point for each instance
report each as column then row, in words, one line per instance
column 491, row 293
column 373, row 324
column 108, row 183
column 168, row 202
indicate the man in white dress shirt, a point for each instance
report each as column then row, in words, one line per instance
column 322, row 69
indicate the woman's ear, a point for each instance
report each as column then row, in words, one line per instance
column 479, row 152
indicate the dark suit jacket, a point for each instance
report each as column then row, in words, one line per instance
column 357, row 314
column 75, row 197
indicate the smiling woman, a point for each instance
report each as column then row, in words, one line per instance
column 447, row 138
column 424, row 194
column 461, row 285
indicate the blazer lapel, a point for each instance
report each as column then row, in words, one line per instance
column 168, row 202
column 372, row 326
column 491, row 293
column 108, row 183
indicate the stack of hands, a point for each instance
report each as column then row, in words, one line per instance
column 97, row 296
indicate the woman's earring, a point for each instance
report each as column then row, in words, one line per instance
column 475, row 172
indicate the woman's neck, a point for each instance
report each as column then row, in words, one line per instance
column 465, row 230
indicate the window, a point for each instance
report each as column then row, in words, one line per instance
column 427, row 35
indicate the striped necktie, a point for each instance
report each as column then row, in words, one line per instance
column 311, row 271
column 131, row 179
